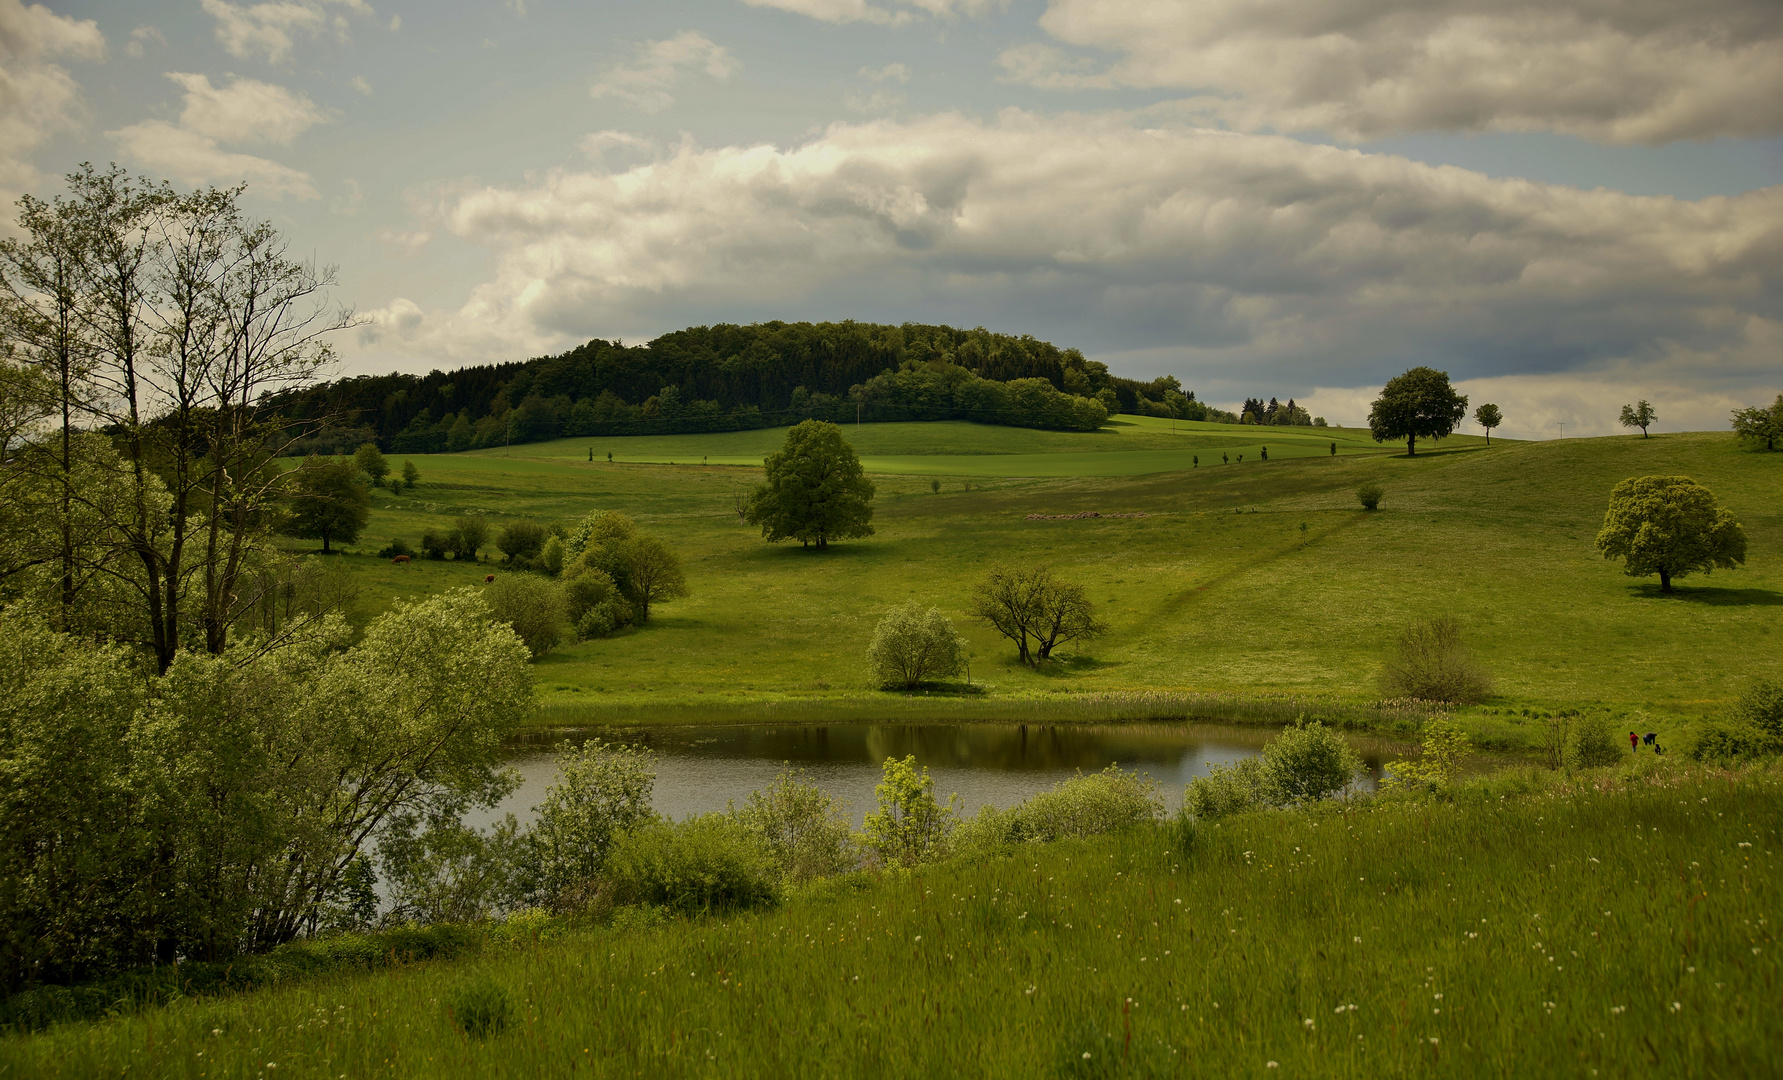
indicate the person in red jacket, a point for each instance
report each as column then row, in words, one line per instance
column 1634, row 743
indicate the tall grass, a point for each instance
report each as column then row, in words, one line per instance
column 1625, row 926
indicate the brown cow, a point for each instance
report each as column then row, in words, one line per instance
column 401, row 560
column 488, row 578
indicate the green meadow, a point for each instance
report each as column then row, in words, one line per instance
column 1255, row 578
column 1619, row 926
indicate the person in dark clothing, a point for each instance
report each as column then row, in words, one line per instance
column 1651, row 738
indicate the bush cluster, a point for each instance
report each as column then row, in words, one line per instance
column 1305, row 763
column 1430, row 663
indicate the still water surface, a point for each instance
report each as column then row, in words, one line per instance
column 703, row 769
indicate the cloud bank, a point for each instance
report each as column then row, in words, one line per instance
column 245, row 111
column 1224, row 256
column 1618, row 71
column 657, row 66
column 38, row 96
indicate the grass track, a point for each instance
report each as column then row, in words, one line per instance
column 1616, row 928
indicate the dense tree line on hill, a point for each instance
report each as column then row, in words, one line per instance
column 730, row 378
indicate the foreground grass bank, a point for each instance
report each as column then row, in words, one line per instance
column 1615, row 927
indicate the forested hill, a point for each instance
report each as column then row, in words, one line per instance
column 726, row 377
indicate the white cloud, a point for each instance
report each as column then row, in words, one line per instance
column 193, row 158
column 401, row 244
column 246, row 110
column 38, row 97
column 1226, row 256
column 359, row 84
column 847, row 11
column 888, row 73
column 1620, row 71
column 657, row 66
column 269, row 30
column 140, row 37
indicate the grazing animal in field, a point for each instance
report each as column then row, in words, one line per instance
column 487, row 578
column 401, row 560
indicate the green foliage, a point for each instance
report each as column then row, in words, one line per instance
column 1080, row 807
column 1419, row 404
column 911, row 647
column 1369, row 495
column 710, row 863
column 533, row 606
column 1760, row 425
column 328, row 502
column 1430, row 663
column 1671, row 526
column 1641, row 414
column 1592, row 741
column 1761, row 705
column 1034, row 609
column 602, row 791
column 470, row 534
column 398, row 546
column 410, row 475
column 801, row 827
column 601, row 528
column 653, row 573
column 1487, row 416
column 1307, row 762
column 910, row 826
column 1226, row 790
column 479, row 1006
column 592, row 602
column 217, row 809
column 1725, row 742
column 439, row 870
column 371, row 461
column 1439, row 760
column 551, row 556
column 522, row 541
column 815, row 490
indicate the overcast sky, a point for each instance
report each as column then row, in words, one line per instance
column 1567, row 204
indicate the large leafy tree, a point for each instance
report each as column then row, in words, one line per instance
column 1760, row 424
column 1641, row 414
column 329, row 501
column 1034, row 609
column 1670, row 526
column 1419, row 404
column 815, row 491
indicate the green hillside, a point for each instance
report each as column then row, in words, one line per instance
column 1260, row 577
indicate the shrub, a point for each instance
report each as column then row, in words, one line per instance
column 398, row 546
column 533, row 606
column 911, row 647
column 1430, row 663
column 601, row 792
column 1225, row 790
column 1592, row 742
column 1091, row 805
column 1439, row 759
column 708, row 863
column 1723, row 742
column 551, row 556
column 435, row 545
column 1369, row 495
column 1761, row 706
column 801, row 827
column 443, row 871
column 470, row 534
column 593, row 603
column 478, row 1006
column 910, row 826
column 521, row 540
column 1307, row 762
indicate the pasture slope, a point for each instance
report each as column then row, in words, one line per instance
column 1254, row 578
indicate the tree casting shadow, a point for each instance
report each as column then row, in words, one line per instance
column 1712, row 596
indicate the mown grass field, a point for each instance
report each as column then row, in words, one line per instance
column 1620, row 926
column 1261, row 577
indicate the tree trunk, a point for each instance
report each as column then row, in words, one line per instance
column 1411, row 446
column 325, row 550
column 1665, row 580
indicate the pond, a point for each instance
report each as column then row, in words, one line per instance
column 704, row 769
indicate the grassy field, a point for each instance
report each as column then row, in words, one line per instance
column 1620, row 926
column 1262, row 578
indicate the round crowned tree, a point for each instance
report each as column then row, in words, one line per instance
column 815, row 491
column 1670, row 526
column 1419, row 404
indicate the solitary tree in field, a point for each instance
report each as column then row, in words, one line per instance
column 815, row 491
column 1037, row 611
column 1670, row 526
column 655, row 573
column 912, row 646
column 372, row 463
column 410, row 475
column 1419, row 404
column 1640, row 415
column 1760, row 424
column 1488, row 417
column 328, row 502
